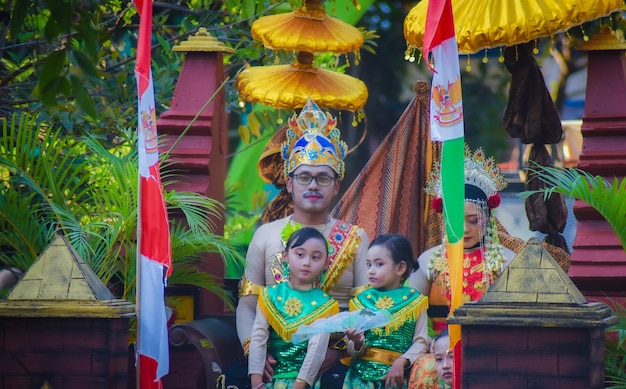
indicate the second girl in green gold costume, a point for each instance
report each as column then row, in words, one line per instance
column 382, row 356
column 284, row 307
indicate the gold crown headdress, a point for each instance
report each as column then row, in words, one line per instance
column 313, row 139
column 480, row 172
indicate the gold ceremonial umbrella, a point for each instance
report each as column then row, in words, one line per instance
column 482, row 24
column 307, row 29
column 288, row 86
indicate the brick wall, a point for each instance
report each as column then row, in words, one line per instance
column 532, row 357
column 68, row 353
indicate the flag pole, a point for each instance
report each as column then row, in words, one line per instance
column 138, row 288
column 446, row 124
column 154, row 256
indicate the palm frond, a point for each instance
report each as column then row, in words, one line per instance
column 608, row 198
column 615, row 349
column 188, row 275
column 199, row 210
column 88, row 193
column 188, row 245
column 24, row 234
column 35, row 164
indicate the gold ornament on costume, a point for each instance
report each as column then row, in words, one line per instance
column 384, row 302
column 313, row 139
column 293, row 306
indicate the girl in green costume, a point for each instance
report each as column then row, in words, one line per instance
column 284, row 307
column 381, row 357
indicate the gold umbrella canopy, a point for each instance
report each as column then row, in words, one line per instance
column 288, row 86
column 307, row 30
column 482, row 24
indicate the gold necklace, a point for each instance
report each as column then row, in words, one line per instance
column 291, row 227
column 325, row 225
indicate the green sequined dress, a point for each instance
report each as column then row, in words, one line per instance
column 284, row 310
column 385, row 344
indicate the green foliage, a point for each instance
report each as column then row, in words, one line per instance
column 88, row 193
column 72, row 61
column 615, row 350
column 369, row 38
column 608, row 198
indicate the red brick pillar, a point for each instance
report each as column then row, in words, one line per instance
column 199, row 154
column 598, row 263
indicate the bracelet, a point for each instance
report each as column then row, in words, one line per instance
column 341, row 344
column 259, row 386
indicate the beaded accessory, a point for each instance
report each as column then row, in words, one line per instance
column 313, row 139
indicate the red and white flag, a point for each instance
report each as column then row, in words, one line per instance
column 446, row 125
column 446, row 103
column 154, row 262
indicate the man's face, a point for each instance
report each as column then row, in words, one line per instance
column 312, row 198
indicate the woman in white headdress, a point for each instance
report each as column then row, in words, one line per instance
column 484, row 257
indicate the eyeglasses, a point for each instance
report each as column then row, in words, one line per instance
column 305, row 179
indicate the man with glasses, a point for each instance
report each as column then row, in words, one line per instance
column 313, row 168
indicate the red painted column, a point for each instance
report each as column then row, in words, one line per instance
column 199, row 155
column 598, row 265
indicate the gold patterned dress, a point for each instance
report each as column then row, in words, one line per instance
column 405, row 336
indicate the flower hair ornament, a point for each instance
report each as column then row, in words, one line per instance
column 483, row 180
column 313, row 139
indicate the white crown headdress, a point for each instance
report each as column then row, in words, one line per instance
column 480, row 171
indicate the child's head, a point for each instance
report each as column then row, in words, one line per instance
column 443, row 357
column 306, row 253
column 390, row 261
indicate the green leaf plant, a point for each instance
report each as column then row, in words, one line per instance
column 608, row 198
column 53, row 184
column 615, row 349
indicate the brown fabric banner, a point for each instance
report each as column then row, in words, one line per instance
column 388, row 195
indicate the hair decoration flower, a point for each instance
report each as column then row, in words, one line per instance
column 493, row 201
column 437, row 204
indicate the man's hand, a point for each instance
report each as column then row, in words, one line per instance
column 332, row 357
column 395, row 376
column 270, row 361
